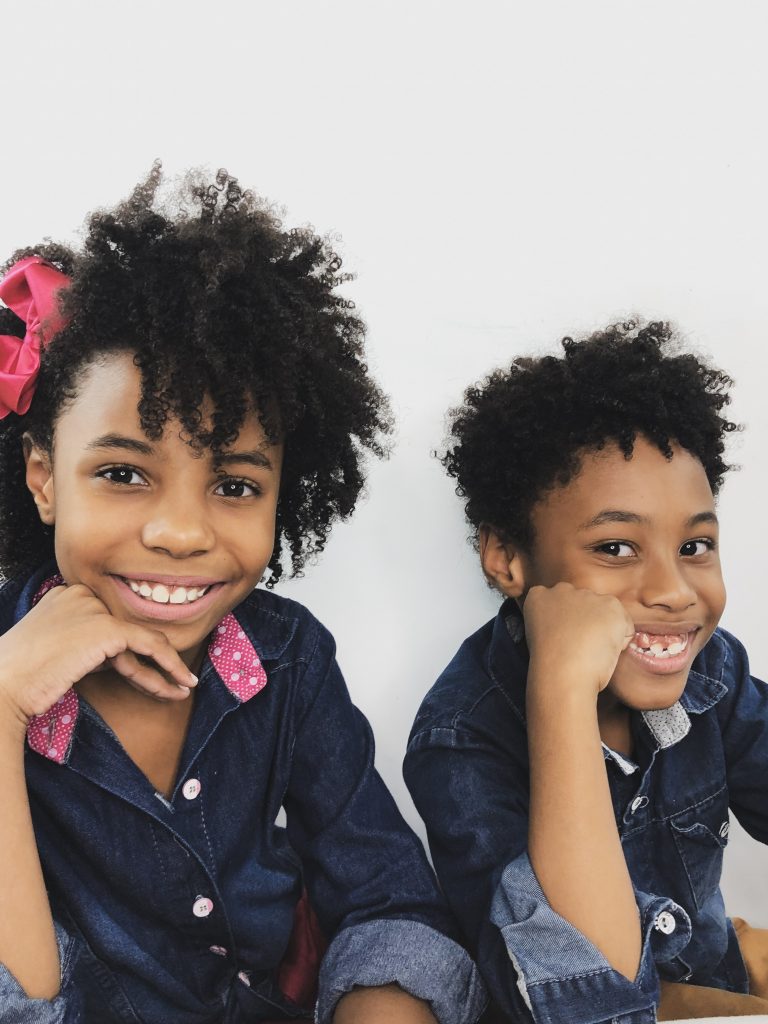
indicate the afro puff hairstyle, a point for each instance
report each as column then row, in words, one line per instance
column 522, row 431
column 215, row 300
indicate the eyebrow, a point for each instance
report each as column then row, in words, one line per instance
column 617, row 515
column 254, row 457
column 113, row 441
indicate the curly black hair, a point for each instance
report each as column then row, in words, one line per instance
column 216, row 300
column 523, row 431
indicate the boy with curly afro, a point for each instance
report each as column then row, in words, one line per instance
column 576, row 761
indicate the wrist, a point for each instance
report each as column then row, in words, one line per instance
column 561, row 682
column 13, row 721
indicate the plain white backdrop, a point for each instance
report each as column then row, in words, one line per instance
column 502, row 173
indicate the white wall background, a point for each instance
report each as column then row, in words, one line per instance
column 502, row 173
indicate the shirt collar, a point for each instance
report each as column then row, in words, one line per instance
column 230, row 650
column 703, row 689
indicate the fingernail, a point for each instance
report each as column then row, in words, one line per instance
column 193, row 678
column 184, row 689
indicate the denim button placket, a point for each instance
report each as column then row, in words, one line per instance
column 191, row 788
column 202, row 906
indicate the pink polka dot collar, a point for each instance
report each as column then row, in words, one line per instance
column 230, row 651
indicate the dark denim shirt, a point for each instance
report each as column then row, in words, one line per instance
column 127, row 869
column 467, row 769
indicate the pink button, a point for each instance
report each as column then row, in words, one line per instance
column 191, row 788
column 202, row 906
column 244, row 978
column 218, row 950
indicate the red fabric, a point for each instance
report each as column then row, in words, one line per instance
column 300, row 967
column 30, row 289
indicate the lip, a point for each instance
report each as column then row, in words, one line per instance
column 665, row 628
column 674, row 663
column 167, row 612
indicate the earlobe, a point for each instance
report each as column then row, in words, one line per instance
column 40, row 479
column 502, row 563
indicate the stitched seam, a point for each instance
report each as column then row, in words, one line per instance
column 160, row 860
column 569, row 977
column 682, row 810
column 207, row 837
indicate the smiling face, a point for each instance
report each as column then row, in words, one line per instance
column 643, row 530
column 163, row 534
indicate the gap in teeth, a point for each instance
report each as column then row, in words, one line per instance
column 161, row 594
column 657, row 650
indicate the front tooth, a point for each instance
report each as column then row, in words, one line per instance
column 676, row 648
column 160, row 594
column 179, row 595
column 145, row 590
column 657, row 648
column 192, row 593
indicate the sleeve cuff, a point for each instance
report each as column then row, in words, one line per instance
column 18, row 1008
column 422, row 961
column 560, row 973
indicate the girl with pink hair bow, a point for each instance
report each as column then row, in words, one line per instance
column 185, row 409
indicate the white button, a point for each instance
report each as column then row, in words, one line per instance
column 665, row 923
column 191, row 788
column 724, row 829
column 244, row 978
column 202, row 906
column 218, row 950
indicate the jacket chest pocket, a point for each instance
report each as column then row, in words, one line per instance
column 701, row 835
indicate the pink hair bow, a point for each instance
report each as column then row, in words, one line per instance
column 30, row 289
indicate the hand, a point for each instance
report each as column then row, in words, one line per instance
column 575, row 634
column 71, row 633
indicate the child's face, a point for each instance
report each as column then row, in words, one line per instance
column 155, row 516
column 643, row 530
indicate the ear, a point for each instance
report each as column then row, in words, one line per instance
column 40, row 479
column 502, row 563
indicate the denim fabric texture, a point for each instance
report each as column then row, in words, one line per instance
column 125, row 866
column 467, row 770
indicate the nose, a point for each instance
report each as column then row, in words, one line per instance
column 178, row 527
column 665, row 584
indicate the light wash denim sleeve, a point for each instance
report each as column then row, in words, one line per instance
column 561, row 974
column 421, row 960
column 17, row 1008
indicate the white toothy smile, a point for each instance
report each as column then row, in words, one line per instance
column 660, row 646
column 162, row 594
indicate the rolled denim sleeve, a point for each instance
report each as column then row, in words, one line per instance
column 422, row 961
column 471, row 787
column 17, row 1008
column 561, row 975
column 366, row 872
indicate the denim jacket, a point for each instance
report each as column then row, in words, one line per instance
column 178, row 910
column 467, row 769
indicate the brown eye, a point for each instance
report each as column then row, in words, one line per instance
column 234, row 488
column 616, row 549
column 121, row 475
column 696, row 547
